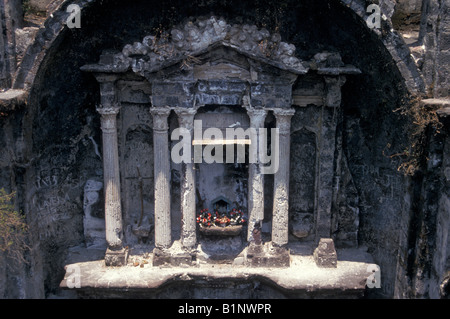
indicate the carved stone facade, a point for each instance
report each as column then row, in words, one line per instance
column 242, row 73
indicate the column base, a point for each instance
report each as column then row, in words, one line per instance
column 116, row 257
column 265, row 256
column 163, row 257
column 325, row 254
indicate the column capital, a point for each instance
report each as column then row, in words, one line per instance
column 253, row 111
column 282, row 112
column 257, row 117
column 283, row 119
column 108, row 118
column 186, row 117
column 160, row 115
column 108, row 110
column 158, row 110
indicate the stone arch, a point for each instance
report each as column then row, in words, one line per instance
column 394, row 43
column 55, row 27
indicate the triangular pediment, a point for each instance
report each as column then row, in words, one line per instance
column 221, row 61
column 186, row 44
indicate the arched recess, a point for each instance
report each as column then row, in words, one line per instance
column 62, row 100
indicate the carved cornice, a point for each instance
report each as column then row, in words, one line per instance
column 195, row 37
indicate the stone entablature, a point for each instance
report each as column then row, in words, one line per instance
column 209, row 62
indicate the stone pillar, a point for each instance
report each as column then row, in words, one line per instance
column 333, row 85
column 280, row 216
column 324, row 177
column 325, row 254
column 188, row 204
column 116, row 254
column 255, row 179
column 163, row 235
column 327, row 146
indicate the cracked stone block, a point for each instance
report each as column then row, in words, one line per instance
column 116, row 257
column 264, row 256
column 165, row 258
column 325, row 254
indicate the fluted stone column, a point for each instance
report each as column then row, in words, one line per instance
column 280, row 218
column 163, row 235
column 188, row 204
column 255, row 178
column 116, row 254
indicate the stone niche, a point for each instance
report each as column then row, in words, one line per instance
column 226, row 76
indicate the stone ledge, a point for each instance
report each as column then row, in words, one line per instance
column 302, row 279
column 10, row 99
column 439, row 102
column 441, row 105
column 444, row 112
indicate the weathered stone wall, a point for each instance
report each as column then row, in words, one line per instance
column 21, row 280
column 11, row 18
column 424, row 244
column 436, row 32
column 4, row 73
column 424, row 261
